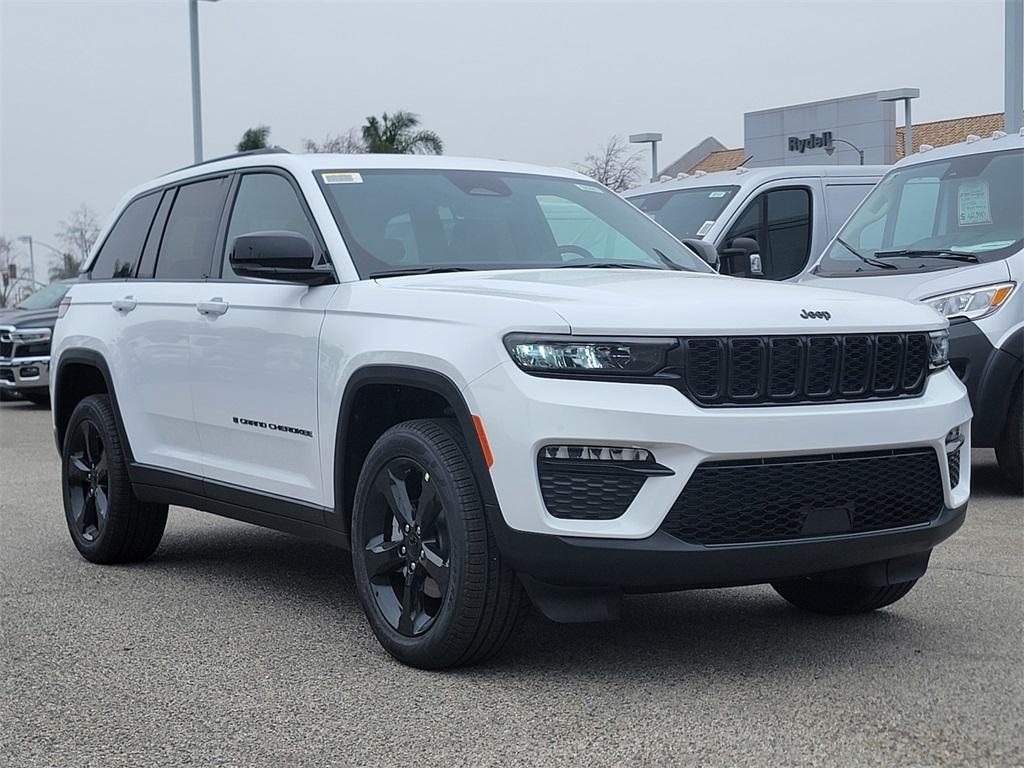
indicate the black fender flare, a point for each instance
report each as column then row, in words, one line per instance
column 93, row 359
column 420, row 378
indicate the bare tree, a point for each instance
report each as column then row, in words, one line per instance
column 614, row 165
column 79, row 232
column 7, row 281
column 342, row 144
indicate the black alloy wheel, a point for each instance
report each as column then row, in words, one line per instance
column 407, row 552
column 88, row 481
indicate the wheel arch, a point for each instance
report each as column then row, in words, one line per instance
column 350, row 444
column 82, row 372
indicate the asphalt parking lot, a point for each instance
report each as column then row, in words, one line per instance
column 237, row 646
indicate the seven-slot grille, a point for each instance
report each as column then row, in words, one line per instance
column 743, row 370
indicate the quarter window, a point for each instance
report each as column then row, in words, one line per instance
column 186, row 251
column 266, row 202
column 120, row 251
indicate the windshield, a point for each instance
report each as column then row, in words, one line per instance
column 416, row 220
column 686, row 212
column 936, row 215
column 46, row 298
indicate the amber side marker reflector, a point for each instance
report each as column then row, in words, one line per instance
column 484, row 445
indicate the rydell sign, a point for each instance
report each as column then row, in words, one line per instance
column 813, row 141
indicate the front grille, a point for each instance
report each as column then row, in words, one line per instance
column 6, row 374
column 6, row 346
column 750, row 370
column 576, row 493
column 954, row 468
column 731, row 502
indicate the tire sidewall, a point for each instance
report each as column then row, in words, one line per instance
column 92, row 409
column 436, row 644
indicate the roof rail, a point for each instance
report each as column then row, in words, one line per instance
column 275, row 150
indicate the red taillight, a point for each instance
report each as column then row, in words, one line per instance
column 63, row 307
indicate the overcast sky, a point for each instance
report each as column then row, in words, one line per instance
column 94, row 96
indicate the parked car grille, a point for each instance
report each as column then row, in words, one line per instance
column 730, row 502
column 750, row 370
column 6, row 346
column 575, row 493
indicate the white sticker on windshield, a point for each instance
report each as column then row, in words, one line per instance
column 973, row 207
column 718, row 193
column 705, row 228
column 341, row 178
column 590, row 188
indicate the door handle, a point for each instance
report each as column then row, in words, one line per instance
column 215, row 306
column 127, row 304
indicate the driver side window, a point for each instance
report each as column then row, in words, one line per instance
column 266, row 202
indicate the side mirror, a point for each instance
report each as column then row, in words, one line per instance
column 742, row 258
column 704, row 249
column 286, row 256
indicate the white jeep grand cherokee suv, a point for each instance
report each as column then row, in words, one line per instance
column 495, row 384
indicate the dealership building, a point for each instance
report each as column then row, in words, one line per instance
column 841, row 131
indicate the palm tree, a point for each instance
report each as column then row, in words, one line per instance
column 68, row 267
column 396, row 135
column 254, row 138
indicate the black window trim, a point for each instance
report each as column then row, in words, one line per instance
column 760, row 195
column 217, row 268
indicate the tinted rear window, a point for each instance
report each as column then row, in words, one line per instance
column 186, row 251
column 120, row 251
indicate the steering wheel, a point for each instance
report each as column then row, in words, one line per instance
column 558, row 250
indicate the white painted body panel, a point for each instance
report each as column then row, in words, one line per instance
column 284, row 354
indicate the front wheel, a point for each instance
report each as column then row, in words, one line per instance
column 107, row 522
column 428, row 572
column 838, row 598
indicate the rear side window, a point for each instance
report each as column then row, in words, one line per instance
column 120, row 251
column 186, row 250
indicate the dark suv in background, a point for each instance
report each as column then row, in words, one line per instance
column 25, row 332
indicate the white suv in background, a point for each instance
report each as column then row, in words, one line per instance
column 496, row 384
column 946, row 227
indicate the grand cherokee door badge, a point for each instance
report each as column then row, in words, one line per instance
column 272, row 427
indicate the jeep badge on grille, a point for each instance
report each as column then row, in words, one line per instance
column 815, row 315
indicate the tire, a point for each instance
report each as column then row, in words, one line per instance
column 107, row 522
column 1010, row 448
column 837, row 598
column 440, row 594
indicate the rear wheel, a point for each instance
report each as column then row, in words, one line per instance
column 1010, row 449
column 839, row 598
column 107, row 522
column 428, row 572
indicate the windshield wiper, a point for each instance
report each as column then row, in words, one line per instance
column 862, row 257
column 607, row 265
column 668, row 262
column 941, row 253
column 418, row 271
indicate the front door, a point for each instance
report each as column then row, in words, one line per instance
column 255, row 361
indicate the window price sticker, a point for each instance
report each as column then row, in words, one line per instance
column 973, row 207
column 342, row 178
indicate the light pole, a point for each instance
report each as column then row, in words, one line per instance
column 832, row 148
column 197, row 101
column 28, row 240
column 652, row 139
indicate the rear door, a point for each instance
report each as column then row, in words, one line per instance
column 255, row 360
column 156, row 314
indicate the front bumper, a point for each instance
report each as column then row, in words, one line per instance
column 24, row 373
column 522, row 413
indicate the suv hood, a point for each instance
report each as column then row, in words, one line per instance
column 29, row 318
column 660, row 302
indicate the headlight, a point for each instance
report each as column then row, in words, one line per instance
column 583, row 356
column 30, row 335
column 972, row 304
column 938, row 349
